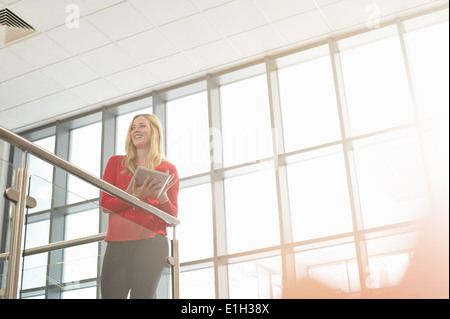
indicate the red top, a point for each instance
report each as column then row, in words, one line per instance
column 126, row 222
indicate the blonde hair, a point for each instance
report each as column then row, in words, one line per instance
column 156, row 154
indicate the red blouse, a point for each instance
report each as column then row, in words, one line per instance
column 126, row 222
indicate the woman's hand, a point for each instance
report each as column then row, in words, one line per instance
column 150, row 188
column 172, row 181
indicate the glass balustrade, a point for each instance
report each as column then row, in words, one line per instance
column 7, row 180
column 71, row 270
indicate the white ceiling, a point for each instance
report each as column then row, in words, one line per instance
column 126, row 48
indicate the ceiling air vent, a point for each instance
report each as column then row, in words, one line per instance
column 12, row 27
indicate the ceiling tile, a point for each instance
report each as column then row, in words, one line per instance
column 9, row 121
column 70, row 72
column 96, row 91
column 235, row 17
column 11, row 65
column 346, row 13
column 88, row 7
column 302, row 27
column 256, row 41
column 119, row 21
column 27, row 113
column 208, row 4
column 60, row 103
column 34, row 85
column 39, row 51
column 171, row 67
column 385, row 7
column 78, row 40
column 161, row 12
column 213, row 54
column 132, row 80
column 276, row 10
column 147, row 46
column 190, row 32
column 10, row 97
column 107, row 60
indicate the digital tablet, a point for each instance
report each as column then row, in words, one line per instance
column 141, row 174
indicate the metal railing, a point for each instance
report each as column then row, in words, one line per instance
column 19, row 196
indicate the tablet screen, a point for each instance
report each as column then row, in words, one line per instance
column 141, row 174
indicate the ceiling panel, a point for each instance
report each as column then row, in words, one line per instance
column 256, row 41
column 302, row 27
column 132, row 80
column 336, row 13
column 12, row 65
column 27, row 113
column 119, row 21
column 34, row 85
column 208, row 4
column 213, row 54
column 70, row 72
column 108, row 59
column 78, row 40
column 96, row 91
column 147, row 46
column 60, row 103
column 190, row 32
column 277, row 10
column 172, row 67
column 125, row 47
column 161, row 12
column 39, row 51
column 235, row 17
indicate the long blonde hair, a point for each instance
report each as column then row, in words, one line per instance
column 156, row 154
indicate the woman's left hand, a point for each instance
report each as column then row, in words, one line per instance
column 172, row 181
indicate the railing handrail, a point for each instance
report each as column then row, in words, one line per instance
column 51, row 158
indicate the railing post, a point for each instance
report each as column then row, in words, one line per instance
column 15, row 250
column 175, row 267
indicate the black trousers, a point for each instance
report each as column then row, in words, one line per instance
column 134, row 265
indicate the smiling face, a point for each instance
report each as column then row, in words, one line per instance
column 141, row 132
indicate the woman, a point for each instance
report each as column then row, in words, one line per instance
column 137, row 248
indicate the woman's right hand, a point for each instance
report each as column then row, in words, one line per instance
column 150, row 188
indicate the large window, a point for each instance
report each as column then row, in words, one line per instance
column 245, row 121
column 251, row 211
column 308, row 101
column 376, row 86
column 361, row 126
column 84, row 152
column 188, row 134
column 318, row 193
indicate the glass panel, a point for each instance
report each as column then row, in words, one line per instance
column 7, row 179
column 188, row 134
column 38, row 166
column 391, row 179
column 258, row 279
column 429, row 56
column 122, row 123
column 251, row 211
column 318, row 194
column 197, row 209
column 85, row 149
column 375, row 81
column 246, row 128
column 389, row 258
column 197, row 284
column 308, row 101
column 72, row 272
column 334, row 266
